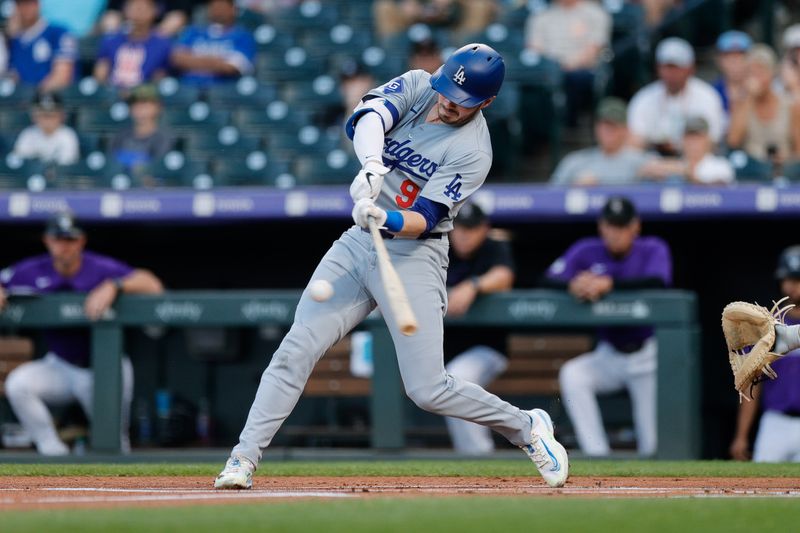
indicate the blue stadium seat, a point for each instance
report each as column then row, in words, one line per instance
column 384, row 64
column 508, row 40
column 320, row 93
column 14, row 119
column 270, row 39
column 341, row 38
column 256, row 168
column 791, row 171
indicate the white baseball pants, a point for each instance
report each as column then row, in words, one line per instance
column 778, row 439
column 606, row 370
column 53, row 381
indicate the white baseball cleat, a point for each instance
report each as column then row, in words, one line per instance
column 237, row 474
column 545, row 451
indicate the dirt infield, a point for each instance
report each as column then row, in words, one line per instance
column 87, row 491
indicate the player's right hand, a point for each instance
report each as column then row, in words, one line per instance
column 368, row 181
column 366, row 208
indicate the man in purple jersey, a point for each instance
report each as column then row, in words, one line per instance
column 624, row 357
column 62, row 375
column 778, row 437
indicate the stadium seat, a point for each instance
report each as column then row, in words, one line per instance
column 341, row 38
column 14, row 119
column 310, row 15
column 307, row 139
column 102, row 120
column 276, row 117
column 791, row 171
column 318, row 94
column 228, row 142
column 15, row 95
column 87, row 92
column 195, row 117
column 319, row 168
column 17, row 173
column 508, row 40
column 749, row 168
column 296, row 63
column 256, row 168
column 384, row 64
column 93, row 171
column 505, row 127
column 175, row 93
column 245, row 92
column 270, row 39
column 173, row 170
column 88, row 46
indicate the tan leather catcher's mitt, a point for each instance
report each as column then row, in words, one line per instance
column 750, row 334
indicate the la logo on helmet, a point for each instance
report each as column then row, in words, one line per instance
column 459, row 77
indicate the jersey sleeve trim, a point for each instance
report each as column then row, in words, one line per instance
column 385, row 109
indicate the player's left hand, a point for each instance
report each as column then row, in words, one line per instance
column 99, row 300
column 365, row 208
column 368, row 181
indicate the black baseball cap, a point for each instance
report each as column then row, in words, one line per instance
column 789, row 263
column 47, row 101
column 470, row 216
column 63, row 226
column 618, row 211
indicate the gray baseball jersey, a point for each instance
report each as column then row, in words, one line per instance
column 442, row 163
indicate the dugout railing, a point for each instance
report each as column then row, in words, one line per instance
column 673, row 314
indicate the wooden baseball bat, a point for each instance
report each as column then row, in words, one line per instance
column 398, row 300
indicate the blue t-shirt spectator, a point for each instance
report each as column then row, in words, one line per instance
column 233, row 45
column 133, row 62
column 34, row 51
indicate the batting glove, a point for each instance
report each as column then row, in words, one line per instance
column 365, row 208
column 368, row 181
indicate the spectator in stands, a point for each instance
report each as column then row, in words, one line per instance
column 145, row 140
column 613, row 161
column 268, row 7
column 574, row 33
column 218, row 52
column 171, row 18
column 41, row 54
column 425, row 55
column 732, row 47
column 778, row 437
column 790, row 64
column 698, row 164
column 354, row 82
column 137, row 54
column 480, row 263
column 79, row 17
column 394, row 16
column 764, row 123
column 656, row 10
column 657, row 113
column 624, row 357
column 63, row 375
column 48, row 139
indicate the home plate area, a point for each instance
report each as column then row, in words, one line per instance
column 87, row 491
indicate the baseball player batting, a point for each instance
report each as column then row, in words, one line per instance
column 425, row 148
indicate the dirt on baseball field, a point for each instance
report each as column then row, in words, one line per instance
column 92, row 492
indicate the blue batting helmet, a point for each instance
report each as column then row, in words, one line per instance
column 471, row 75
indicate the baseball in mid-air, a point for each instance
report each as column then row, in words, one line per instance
column 320, row 290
